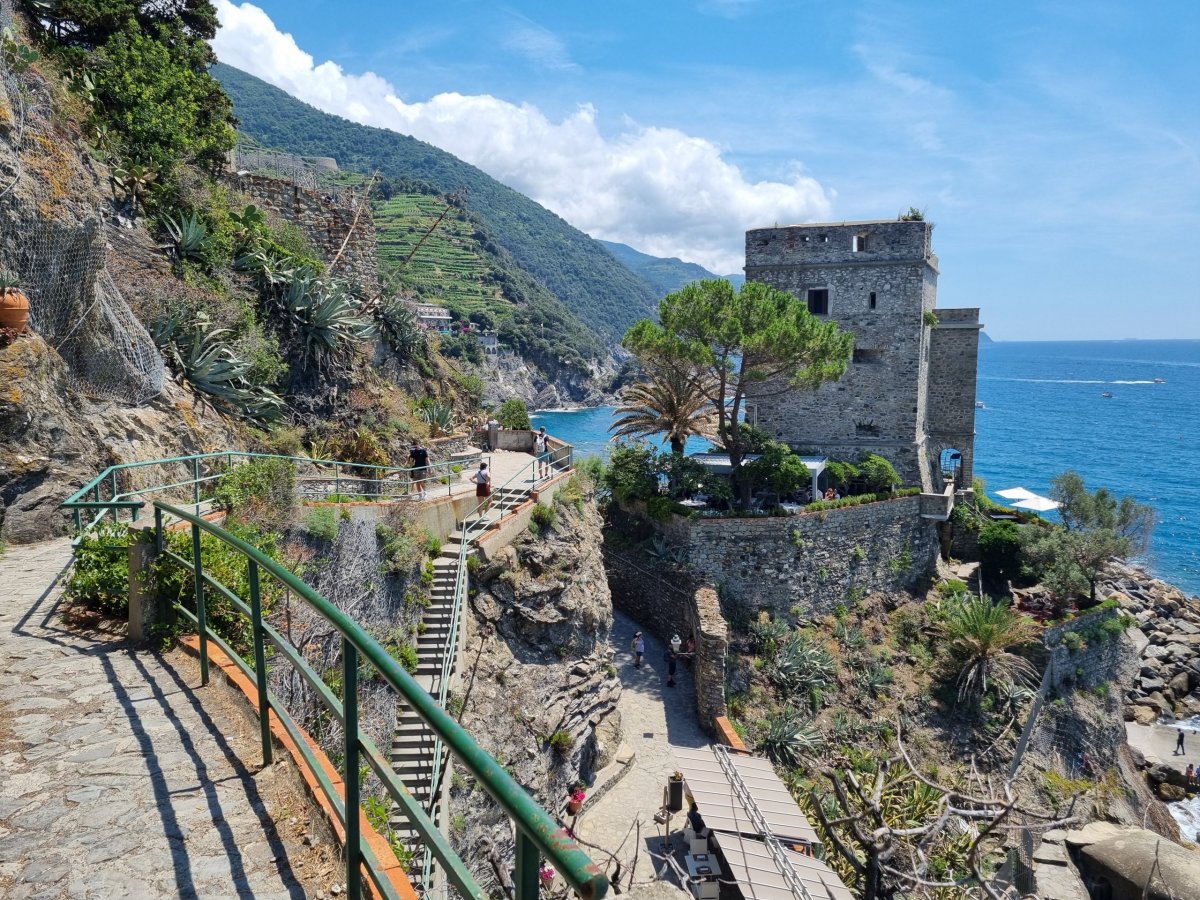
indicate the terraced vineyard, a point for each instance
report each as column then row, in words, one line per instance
column 452, row 267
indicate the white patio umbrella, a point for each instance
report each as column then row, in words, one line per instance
column 1037, row 504
column 1017, row 493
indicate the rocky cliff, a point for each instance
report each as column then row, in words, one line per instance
column 539, row 690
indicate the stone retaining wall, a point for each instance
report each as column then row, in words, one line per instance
column 812, row 561
column 1097, row 662
column 669, row 607
column 325, row 221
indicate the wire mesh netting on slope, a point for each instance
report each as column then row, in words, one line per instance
column 52, row 236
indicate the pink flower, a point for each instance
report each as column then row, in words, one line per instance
column 578, row 796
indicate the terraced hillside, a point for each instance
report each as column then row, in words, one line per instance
column 591, row 283
column 451, row 267
column 459, row 266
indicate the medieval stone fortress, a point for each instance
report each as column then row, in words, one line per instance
column 909, row 392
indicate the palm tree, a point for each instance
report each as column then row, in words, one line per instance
column 670, row 402
column 979, row 634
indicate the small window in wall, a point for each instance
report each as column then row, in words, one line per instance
column 860, row 243
column 818, row 301
column 871, row 300
column 867, row 356
column 824, row 239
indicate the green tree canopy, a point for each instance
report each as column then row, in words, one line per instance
column 1097, row 527
column 756, row 339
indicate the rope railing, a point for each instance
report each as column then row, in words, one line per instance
column 537, row 832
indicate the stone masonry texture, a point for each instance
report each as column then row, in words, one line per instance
column 324, row 222
column 813, row 561
column 117, row 781
column 910, row 391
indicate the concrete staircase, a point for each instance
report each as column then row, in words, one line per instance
column 413, row 745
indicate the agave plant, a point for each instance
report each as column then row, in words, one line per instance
column 189, row 236
column 209, row 363
column 325, row 315
column 662, row 549
column 802, row 663
column 272, row 270
column 399, row 327
column 439, row 415
column 789, row 737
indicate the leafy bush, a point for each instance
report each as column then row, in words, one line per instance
column 100, row 576
column 321, row 522
column 879, row 474
column 264, row 485
column 513, row 414
column 360, row 446
column 439, row 415
column 464, row 346
column 767, row 634
column 662, row 508
column 326, row 316
column 1000, row 550
column 543, row 516
column 632, row 472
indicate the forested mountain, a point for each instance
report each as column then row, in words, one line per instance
column 602, row 292
column 662, row 274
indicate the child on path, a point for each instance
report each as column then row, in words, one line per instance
column 639, row 649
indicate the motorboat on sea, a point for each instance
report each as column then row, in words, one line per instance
column 979, row 404
column 1160, row 381
column 1107, row 394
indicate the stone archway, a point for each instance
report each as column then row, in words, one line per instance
column 949, row 466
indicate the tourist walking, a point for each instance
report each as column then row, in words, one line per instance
column 541, row 449
column 483, row 485
column 1179, row 741
column 418, row 458
column 639, row 649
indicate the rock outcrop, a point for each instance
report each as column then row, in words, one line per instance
column 1126, row 863
column 1169, row 679
column 539, row 691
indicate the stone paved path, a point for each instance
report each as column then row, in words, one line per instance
column 654, row 718
column 114, row 780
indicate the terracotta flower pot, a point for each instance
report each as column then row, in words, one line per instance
column 573, row 807
column 14, row 309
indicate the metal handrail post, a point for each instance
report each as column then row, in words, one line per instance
column 158, row 530
column 337, row 479
column 201, row 616
column 350, row 777
column 113, row 488
column 196, row 483
column 260, row 661
column 528, row 863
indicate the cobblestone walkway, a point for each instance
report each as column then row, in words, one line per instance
column 114, row 781
column 654, row 718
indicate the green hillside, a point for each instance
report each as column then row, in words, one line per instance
column 662, row 274
column 458, row 265
column 603, row 293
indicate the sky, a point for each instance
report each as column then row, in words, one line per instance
column 1055, row 145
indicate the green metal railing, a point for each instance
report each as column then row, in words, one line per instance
column 103, row 495
column 473, row 525
column 538, row 834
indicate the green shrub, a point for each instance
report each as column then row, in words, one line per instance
column 321, row 522
column 789, row 737
column 1073, row 641
column 406, row 655
column 632, row 471
column 264, row 485
column 879, row 474
column 100, row 576
column 543, row 516
column 662, row 508
column 561, row 742
column 802, row 663
column 1000, row 550
column 433, row 546
column 513, row 414
column 767, row 634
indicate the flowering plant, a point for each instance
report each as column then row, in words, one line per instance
column 546, row 873
column 577, row 794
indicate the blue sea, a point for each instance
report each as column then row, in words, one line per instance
column 1045, row 413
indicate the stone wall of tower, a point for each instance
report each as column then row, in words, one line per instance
column 882, row 279
column 953, row 364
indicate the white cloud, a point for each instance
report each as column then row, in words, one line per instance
column 538, row 45
column 658, row 189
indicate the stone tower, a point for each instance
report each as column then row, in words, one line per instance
column 909, row 392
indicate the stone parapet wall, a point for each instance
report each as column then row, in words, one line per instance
column 675, row 606
column 325, row 220
column 812, row 561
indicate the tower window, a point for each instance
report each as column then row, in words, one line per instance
column 871, row 300
column 818, row 301
column 824, row 239
column 866, row 356
column 860, row 243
